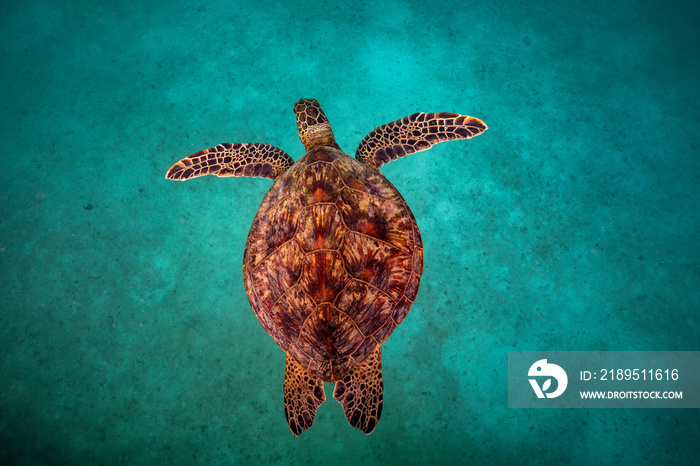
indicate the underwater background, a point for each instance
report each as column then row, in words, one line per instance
column 572, row 224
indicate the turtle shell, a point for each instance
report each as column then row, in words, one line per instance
column 333, row 261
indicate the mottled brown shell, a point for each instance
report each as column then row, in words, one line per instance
column 333, row 261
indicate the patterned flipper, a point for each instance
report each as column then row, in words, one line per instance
column 303, row 394
column 250, row 159
column 361, row 393
column 415, row 133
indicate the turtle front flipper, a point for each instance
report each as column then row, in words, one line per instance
column 249, row 159
column 361, row 393
column 303, row 394
column 415, row 133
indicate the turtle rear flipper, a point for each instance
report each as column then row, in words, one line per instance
column 303, row 394
column 361, row 393
column 249, row 159
column 415, row 133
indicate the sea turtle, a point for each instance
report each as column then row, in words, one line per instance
column 334, row 255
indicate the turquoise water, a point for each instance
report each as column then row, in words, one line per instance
column 572, row 224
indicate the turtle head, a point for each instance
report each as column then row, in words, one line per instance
column 313, row 126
